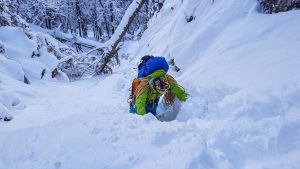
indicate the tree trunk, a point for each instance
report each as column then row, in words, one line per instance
column 117, row 38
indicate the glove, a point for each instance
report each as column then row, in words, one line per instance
column 184, row 97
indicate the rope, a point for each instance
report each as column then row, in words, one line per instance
column 171, row 79
column 169, row 97
column 143, row 85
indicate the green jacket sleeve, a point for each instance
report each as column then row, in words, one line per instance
column 178, row 92
column 140, row 104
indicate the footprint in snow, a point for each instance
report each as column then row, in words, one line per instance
column 95, row 131
column 57, row 165
column 164, row 138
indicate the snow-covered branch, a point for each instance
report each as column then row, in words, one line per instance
column 75, row 39
column 114, row 41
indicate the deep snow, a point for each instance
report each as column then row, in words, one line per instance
column 239, row 66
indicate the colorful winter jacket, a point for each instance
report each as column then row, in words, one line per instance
column 150, row 94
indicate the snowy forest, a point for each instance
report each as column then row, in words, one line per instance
column 100, row 18
column 76, row 82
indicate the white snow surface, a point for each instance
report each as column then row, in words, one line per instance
column 239, row 66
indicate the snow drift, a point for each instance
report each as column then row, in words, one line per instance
column 241, row 69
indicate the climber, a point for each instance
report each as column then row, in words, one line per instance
column 152, row 83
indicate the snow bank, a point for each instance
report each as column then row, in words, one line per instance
column 25, row 57
column 229, row 48
column 241, row 69
column 19, row 48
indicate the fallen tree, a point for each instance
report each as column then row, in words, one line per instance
column 87, row 65
column 112, row 44
column 74, row 40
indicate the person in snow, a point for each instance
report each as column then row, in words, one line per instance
column 152, row 86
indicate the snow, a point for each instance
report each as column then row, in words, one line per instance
column 72, row 38
column 18, row 55
column 240, row 68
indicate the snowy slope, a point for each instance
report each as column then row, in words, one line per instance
column 242, row 62
column 18, row 64
column 239, row 67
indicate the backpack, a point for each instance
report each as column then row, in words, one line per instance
column 133, row 95
column 150, row 64
column 135, row 84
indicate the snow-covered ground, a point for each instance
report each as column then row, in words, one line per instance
column 240, row 68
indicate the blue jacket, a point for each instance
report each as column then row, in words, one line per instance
column 152, row 65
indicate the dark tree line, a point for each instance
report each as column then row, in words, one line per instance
column 81, row 17
column 275, row 6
